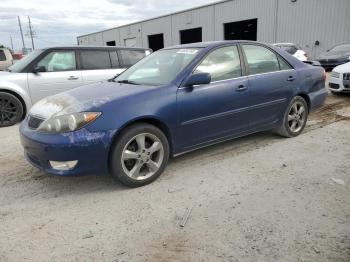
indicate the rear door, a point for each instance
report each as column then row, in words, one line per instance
column 99, row 65
column 216, row 110
column 60, row 74
column 272, row 82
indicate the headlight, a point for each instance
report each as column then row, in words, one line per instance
column 68, row 123
column 335, row 74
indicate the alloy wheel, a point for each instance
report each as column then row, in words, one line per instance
column 8, row 111
column 296, row 117
column 142, row 156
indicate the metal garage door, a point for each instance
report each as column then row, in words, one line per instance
column 130, row 42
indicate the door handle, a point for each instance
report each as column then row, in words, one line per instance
column 291, row 78
column 241, row 88
column 73, row 78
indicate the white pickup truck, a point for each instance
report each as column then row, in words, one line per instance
column 5, row 59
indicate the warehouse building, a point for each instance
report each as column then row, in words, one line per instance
column 316, row 25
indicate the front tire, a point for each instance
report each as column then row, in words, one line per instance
column 140, row 155
column 295, row 118
column 11, row 109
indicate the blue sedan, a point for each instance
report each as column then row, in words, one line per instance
column 174, row 101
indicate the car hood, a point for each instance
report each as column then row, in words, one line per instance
column 5, row 75
column 91, row 98
column 334, row 55
column 344, row 68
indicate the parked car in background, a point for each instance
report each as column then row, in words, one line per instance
column 294, row 50
column 339, row 79
column 6, row 59
column 337, row 55
column 53, row 70
column 176, row 100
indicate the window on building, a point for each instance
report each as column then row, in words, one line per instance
column 193, row 35
column 156, row 42
column 241, row 30
column 111, row 43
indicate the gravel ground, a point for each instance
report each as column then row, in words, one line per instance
column 259, row 198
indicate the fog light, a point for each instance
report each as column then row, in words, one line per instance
column 64, row 165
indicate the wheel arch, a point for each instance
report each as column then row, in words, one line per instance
column 307, row 99
column 148, row 120
column 20, row 98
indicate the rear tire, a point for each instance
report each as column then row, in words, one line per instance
column 11, row 109
column 140, row 155
column 295, row 118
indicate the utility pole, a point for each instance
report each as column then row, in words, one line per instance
column 11, row 42
column 20, row 28
column 31, row 32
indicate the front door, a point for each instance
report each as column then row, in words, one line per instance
column 60, row 75
column 207, row 113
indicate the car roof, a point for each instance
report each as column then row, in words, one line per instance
column 209, row 44
column 89, row 47
column 284, row 44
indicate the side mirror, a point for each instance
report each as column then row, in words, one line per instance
column 39, row 69
column 198, row 79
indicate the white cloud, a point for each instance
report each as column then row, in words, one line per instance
column 61, row 21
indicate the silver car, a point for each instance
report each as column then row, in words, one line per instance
column 53, row 70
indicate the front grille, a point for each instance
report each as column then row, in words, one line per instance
column 346, row 76
column 34, row 122
column 333, row 86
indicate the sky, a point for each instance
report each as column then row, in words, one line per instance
column 59, row 22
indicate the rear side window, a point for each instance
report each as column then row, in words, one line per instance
column 2, row 55
column 95, row 59
column 260, row 59
column 223, row 63
column 283, row 64
column 57, row 61
column 131, row 57
column 114, row 59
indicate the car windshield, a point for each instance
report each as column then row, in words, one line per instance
column 159, row 68
column 21, row 64
column 341, row 48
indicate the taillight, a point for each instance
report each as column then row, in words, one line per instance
column 324, row 75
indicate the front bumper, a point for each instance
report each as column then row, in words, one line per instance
column 339, row 84
column 90, row 149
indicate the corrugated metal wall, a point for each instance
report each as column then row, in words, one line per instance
column 306, row 21
column 301, row 22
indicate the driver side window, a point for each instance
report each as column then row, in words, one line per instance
column 57, row 61
column 223, row 63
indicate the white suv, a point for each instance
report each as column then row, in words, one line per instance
column 53, row 70
column 339, row 79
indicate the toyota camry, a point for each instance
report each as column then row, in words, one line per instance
column 176, row 100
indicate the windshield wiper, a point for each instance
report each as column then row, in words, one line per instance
column 127, row 82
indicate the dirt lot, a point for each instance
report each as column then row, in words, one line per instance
column 260, row 198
